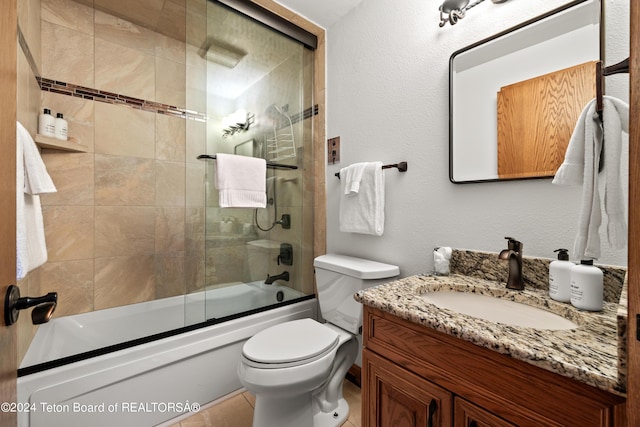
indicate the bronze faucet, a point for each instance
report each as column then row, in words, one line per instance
column 513, row 254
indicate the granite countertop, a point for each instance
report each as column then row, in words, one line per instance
column 594, row 353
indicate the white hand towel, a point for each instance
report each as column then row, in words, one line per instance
column 352, row 175
column 616, row 121
column 240, row 181
column 31, row 248
column 36, row 178
column 581, row 167
column 363, row 212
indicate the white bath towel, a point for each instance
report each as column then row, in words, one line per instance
column 31, row 248
column 581, row 167
column 352, row 176
column 363, row 212
column 240, row 181
column 36, row 178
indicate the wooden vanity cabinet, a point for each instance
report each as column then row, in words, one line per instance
column 416, row 376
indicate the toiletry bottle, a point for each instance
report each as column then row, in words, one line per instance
column 47, row 124
column 560, row 277
column 587, row 292
column 61, row 127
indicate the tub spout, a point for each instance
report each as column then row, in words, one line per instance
column 270, row 279
column 44, row 306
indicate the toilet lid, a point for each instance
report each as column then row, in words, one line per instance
column 294, row 341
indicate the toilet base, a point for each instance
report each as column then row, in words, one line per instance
column 277, row 412
column 297, row 412
column 334, row 418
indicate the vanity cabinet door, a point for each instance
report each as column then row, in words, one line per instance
column 466, row 414
column 396, row 397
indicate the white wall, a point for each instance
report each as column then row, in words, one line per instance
column 387, row 98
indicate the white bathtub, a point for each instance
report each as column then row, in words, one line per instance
column 149, row 383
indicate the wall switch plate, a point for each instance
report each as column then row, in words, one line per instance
column 333, row 150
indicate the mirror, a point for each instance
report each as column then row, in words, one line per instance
column 558, row 40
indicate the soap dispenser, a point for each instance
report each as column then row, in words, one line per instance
column 560, row 277
column 587, row 291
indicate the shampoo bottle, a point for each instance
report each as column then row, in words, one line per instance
column 61, row 127
column 587, row 291
column 560, row 277
column 47, row 124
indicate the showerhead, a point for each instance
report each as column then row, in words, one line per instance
column 221, row 52
column 275, row 111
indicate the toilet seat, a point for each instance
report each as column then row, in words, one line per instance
column 289, row 344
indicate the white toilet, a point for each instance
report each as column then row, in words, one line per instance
column 296, row 369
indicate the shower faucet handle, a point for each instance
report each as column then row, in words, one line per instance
column 286, row 254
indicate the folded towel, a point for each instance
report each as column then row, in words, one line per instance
column 352, row 176
column 36, row 178
column 580, row 166
column 31, row 248
column 240, row 181
column 363, row 212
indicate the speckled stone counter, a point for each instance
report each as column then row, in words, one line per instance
column 594, row 353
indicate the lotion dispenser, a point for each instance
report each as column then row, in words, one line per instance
column 587, row 290
column 560, row 277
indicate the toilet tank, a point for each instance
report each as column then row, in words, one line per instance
column 338, row 277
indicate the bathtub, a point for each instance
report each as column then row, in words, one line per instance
column 139, row 365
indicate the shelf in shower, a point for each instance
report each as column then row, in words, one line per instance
column 58, row 144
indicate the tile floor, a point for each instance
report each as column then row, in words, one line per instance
column 238, row 411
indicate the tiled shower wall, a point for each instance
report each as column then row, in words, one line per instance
column 124, row 226
column 127, row 222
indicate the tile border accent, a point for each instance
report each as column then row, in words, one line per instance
column 91, row 94
column 69, row 89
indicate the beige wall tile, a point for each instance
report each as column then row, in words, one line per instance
column 195, row 185
column 124, row 230
column 125, row 71
column 68, row 232
column 67, row 55
column 124, row 33
column 124, row 131
column 124, row 180
column 170, row 227
column 196, row 22
column 78, row 112
column 73, row 281
column 170, row 48
column 72, row 173
column 170, row 82
column 170, row 184
column 196, row 86
column 170, row 138
column 170, row 276
column 124, row 280
column 69, row 14
column 196, row 142
column 24, row 76
column 173, row 19
column 29, row 12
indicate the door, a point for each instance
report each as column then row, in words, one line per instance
column 399, row 398
column 633, row 379
column 8, row 82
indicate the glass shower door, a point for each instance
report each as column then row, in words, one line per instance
column 258, row 104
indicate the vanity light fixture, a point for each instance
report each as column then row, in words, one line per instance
column 239, row 121
column 453, row 10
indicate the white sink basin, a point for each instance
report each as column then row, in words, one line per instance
column 498, row 310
